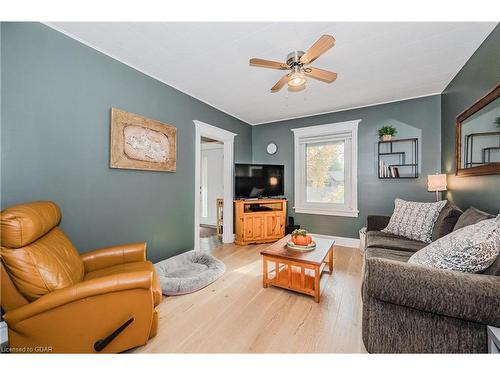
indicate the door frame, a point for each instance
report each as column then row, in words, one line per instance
column 203, row 129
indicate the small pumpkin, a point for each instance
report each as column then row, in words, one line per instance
column 301, row 238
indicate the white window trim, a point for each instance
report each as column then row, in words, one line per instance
column 299, row 168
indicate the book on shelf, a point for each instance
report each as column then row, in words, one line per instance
column 394, row 172
column 384, row 170
column 387, row 171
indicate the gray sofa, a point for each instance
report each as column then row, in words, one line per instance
column 414, row 309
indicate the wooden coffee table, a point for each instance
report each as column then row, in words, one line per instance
column 299, row 271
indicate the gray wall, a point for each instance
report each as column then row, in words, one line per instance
column 416, row 117
column 478, row 76
column 57, row 95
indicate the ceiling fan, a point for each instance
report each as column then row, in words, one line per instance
column 297, row 62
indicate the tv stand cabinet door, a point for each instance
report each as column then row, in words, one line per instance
column 274, row 226
column 253, row 228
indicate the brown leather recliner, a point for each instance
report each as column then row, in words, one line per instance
column 56, row 300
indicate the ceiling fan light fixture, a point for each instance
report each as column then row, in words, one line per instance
column 296, row 89
column 297, row 79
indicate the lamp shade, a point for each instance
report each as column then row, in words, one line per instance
column 436, row 182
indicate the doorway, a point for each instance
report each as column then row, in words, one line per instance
column 211, row 193
column 213, row 186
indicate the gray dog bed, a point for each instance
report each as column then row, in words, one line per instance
column 188, row 272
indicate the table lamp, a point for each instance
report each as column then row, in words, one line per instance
column 437, row 183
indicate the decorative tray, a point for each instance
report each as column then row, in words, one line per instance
column 309, row 247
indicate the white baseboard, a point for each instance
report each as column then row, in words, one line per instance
column 342, row 241
column 3, row 333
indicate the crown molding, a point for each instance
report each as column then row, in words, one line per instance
column 344, row 109
column 80, row 40
column 84, row 42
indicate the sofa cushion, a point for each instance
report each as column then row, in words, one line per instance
column 414, row 220
column 446, row 221
column 473, row 248
column 391, row 241
column 389, row 254
column 43, row 266
column 472, row 216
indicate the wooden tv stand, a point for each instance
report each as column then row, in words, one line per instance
column 259, row 220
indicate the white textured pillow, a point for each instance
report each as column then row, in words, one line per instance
column 414, row 220
column 470, row 249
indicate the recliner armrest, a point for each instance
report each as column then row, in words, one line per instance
column 111, row 256
column 83, row 290
column 377, row 222
column 472, row 297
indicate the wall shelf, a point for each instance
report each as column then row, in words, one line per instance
column 485, row 151
column 390, row 169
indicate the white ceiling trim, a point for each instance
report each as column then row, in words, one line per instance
column 78, row 39
column 256, row 109
column 347, row 109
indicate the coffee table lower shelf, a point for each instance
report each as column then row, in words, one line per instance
column 299, row 277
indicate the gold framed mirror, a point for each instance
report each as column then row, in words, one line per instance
column 477, row 142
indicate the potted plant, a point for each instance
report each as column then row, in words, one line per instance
column 386, row 132
column 300, row 237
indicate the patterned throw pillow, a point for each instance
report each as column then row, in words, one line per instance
column 470, row 249
column 414, row 220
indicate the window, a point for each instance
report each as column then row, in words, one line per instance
column 326, row 169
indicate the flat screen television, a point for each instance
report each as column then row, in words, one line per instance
column 258, row 181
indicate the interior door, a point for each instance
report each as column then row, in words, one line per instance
column 212, row 181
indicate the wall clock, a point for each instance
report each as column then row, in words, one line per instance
column 272, row 148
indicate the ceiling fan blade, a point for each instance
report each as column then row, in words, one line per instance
column 322, row 45
column 268, row 64
column 322, row 75
column 282, row 82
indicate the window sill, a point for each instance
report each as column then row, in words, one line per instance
column 317, row 211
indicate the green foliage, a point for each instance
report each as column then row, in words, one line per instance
column 322, row 159
column 387, row 130
column 497, row 121
column 299, row 232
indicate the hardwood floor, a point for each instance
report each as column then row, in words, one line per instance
column 207, row 231
column 236, row 315
column 209, row 239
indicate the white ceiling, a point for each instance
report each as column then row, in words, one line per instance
column 375, row 62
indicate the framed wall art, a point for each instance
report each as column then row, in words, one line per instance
column 141, row 143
